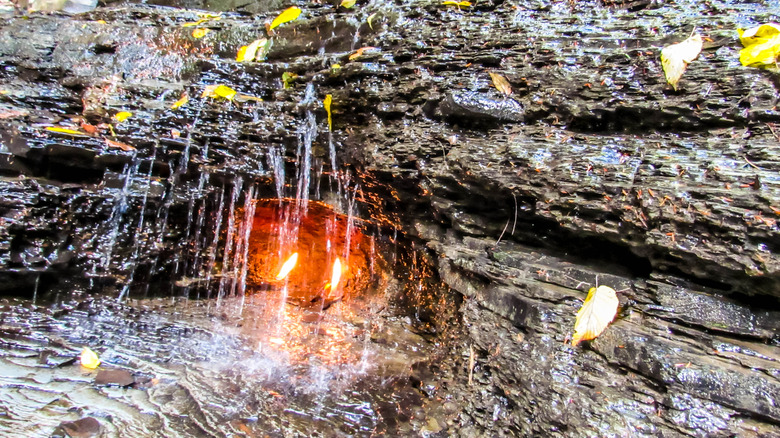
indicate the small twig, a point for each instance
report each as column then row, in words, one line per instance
column 751, row 164
column 771, row 127
column 471, row 364
column 507, row 223
column 502, row 233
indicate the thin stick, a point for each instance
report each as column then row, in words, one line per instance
column 471, row 364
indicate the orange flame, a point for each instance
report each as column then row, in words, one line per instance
column 336, row 276
column 287, row 266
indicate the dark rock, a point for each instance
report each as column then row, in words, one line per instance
column 470, row 106
column 114, row 377
column 86, row 427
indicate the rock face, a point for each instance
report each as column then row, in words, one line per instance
column 592, row 171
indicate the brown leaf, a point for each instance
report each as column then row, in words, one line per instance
column 501, row 83
column 116, row 144
column 89, row 129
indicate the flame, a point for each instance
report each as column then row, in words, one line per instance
column 287, row 266
column 336, row 276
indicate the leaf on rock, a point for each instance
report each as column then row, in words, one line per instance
column 200, row 32
column 359, row 52
column 326, row 103
column 598, row 310
column 122, row 116
column 501, row 83
column 219, row 91
column 205, row 17
column 286, row 16
column 89, row 359
column 248, row 53
column 64, row 130
column 181, row 102
column 348, row 3
column 675, row 58
column 762, row 46
column 370, row 19
column 460, row 4
column 116, row 144
column 288, row 78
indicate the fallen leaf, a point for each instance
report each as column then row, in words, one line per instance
column 460, row 4
column 64, row 130
column 122, row 116
column 204, row 18
column 288, row 78
column 89, row 359
column 326, row 103
column 370, row 19
column 200, row 32
column 348, row 3
column 89, row 129
column 501, row 83
column 359, row 52
column 217, row 91
column 181, row 102
column 286, row 16
column 762, row 46
column 597, row 311
column 248, row 53
column 676, row 57
column 116, row 144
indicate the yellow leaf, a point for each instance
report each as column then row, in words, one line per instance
column 758, row 34
column 200, row 32
column 348, row 3
column 762, row 46
column 326, row 103
column 216, row 91
column 464, row 4
column 676, row 57
column 89, row 359
column 596, row 313
column 122, row 116
column 64, row 130
column 286, row 16
column 288, row 78
column 183, row 101
column 195, row 23
column 501, row 83
column 370, row 19
column 249, row 53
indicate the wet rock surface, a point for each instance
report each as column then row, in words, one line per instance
column 593, row 171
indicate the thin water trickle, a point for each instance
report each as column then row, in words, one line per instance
column 226, row 273
column 212, row 251
column 120, row 206
column 139, row 231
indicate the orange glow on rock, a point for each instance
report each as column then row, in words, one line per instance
column 287, row 266
column 336, row 276
column 317, row 237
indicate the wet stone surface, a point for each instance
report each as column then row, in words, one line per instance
column 492, row 216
